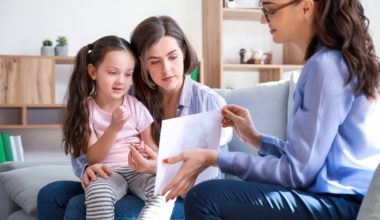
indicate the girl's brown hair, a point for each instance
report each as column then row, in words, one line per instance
column 146, row 34
column 342, row 25
column 76, row 129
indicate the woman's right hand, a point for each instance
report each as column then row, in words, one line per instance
column 91, row 172
column 240, row 119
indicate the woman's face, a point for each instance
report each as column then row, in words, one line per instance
column 284, row 18
column 164, row 62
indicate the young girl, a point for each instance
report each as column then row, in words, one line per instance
column 323, row 169
column 103, row 122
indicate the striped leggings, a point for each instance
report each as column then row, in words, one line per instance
column 102, row 194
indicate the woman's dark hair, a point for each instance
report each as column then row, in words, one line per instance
column 342, row 25
column 76, row 129
column 146, row 34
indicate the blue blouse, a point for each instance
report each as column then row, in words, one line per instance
column 333, row 142
column 195, row 98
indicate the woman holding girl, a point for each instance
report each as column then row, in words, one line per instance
column 161, row 83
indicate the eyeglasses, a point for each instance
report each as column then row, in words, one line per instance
column 271, row 12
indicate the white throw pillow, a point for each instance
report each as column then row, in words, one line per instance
column 267, row 103
column 370, row 207
column 23, row 184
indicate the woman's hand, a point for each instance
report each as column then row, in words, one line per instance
column 91, row 172
column 194, row 162
column 142, row 158
column 240, row 119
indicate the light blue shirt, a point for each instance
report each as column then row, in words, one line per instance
column 333, row 142
column 195, row 98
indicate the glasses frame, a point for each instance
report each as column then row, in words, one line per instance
column 273, row 11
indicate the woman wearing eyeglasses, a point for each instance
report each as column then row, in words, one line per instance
column 323, row 169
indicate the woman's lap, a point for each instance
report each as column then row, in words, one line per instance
column 65, row 199
column 231, row 199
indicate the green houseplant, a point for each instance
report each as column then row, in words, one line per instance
column 61, row 49
column 47, row 48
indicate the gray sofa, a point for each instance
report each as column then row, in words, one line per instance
column 268, row 103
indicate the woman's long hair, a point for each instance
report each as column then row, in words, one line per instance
column 146, row 34
column 342, row 25
column 76, row 129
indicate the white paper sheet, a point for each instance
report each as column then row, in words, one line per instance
column 185, row 133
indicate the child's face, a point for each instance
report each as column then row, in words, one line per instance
column 113, row 76
column 164, row 62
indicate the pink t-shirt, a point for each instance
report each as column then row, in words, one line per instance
column 139, row 120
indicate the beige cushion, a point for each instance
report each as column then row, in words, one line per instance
column 22, row 185
column 370, row 208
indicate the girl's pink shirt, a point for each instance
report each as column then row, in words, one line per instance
column 139, row 120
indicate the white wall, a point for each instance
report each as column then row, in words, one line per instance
column 25, row 23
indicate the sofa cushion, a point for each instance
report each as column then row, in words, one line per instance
column 267, row 103
column 370, row 207
column 22, row 185
column 21, row 214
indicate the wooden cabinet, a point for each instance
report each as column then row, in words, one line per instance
column 213, row 16
column 27, row 91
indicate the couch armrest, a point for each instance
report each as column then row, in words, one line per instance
column 7, row 166
column 7, row 205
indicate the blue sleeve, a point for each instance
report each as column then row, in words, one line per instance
column 79, row 164
column 322, row 102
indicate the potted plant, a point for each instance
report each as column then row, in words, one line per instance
column 61, row 48
column 47, row 48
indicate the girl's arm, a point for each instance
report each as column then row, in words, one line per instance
column 100, row 147
column 147, row 137
column 140, row 163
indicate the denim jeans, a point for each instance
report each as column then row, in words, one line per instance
column 233, row 199
column 65, row 200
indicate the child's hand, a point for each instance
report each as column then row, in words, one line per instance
column 140, row 147
column 93, row 171
column 119, row 116
column 145, row 161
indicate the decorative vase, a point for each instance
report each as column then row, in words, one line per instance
column 61, row 51
column 47, row 51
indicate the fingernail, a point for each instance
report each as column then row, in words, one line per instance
column 165, row 160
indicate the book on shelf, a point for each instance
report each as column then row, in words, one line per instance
column 2, row 155
column 19, row 148
column 11, row 148
column 7, row 146
column 13, row 145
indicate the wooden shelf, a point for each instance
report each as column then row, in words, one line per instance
column 31, row 116
column 27, row 91
column 64, row 59
column 242, row 14
column 52, row 126
column 213, row 16
column 260, row 66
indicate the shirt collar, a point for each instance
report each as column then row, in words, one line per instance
column 186, row 93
